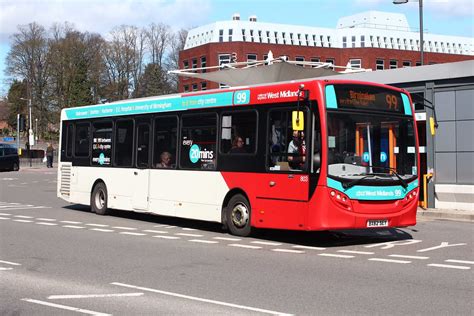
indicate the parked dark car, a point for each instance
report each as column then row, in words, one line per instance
column 9, row 159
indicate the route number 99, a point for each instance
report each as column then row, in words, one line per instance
column 392, row 102
column 242, row 97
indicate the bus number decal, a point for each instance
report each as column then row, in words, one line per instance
column 242, row 97
column 304, row 179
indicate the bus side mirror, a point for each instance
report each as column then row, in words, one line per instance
column 316, row 161
column 297, row 120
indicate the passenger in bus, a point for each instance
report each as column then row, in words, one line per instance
column 165, row 160
column 297, row 150
column 237, row 146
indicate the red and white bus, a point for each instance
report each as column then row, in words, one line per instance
column 302, row 155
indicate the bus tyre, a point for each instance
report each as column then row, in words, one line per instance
column 99, row 199
column 238, row 216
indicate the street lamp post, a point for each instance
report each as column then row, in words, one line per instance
column 36, row 130
column 420, row 9
column 30, row 134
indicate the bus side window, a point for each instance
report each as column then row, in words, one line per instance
column 166, row 137
column 238, row 133
column 123, row 150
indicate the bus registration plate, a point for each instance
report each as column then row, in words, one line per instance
column 377, row 223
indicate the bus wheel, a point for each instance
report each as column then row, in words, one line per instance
column 99, row 199
column 238, row 216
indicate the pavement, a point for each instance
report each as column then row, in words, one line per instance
column 429, row 213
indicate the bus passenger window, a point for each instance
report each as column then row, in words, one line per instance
column 82, row 140
column 123, row 143
column 164, row 150
column 238, row 134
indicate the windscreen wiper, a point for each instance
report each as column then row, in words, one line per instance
column 348, row 185
column 402, row 181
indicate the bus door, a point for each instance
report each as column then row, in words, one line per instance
column 140, row 185
column 283, row 191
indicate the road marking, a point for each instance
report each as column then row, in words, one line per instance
column 5, row 269
column 73, row 226
column 45, row 219
column 46, row 223
column 167, row 237
column 266, row 243
column 227, row 238
column 69, row 308
column 204, row 241
column 97, row 225
column 22, row 221
column 356, row 252
column 245, row 246
column 102, row 230
column 391, row 244
column 334, row 255
column 389, row 260
column 444, row 244
column 11, row 263
column 448, row 266
column 188, row 235
column 167, row 226
column 308, row 247
column 5, row 214
column 133, row 234
column 71, row 222
column 22, row 216
column 5, row 218
column 124, row 228
column 60, row 297
column 205, row 300
column 155, row 231
column 190, row 229
column 409, row 257
column 287, row 250
column 454, row 261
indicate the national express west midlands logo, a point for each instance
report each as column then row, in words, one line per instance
column 196, row 154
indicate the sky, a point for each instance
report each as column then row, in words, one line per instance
column 447, row 17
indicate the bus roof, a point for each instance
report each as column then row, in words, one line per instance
column 235, row 96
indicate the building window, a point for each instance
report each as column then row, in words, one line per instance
column 195, row 87
column 243, row 35
column 344, row 42
column 231, row 31
column 406, row 63
column 283, row 35
column 355, row 63
column 268, row 37
column 315, row 60
column 393, row 64
column 224, row 59
column 379, row 64
column 330, row 61
column 362, row 41
column 186, row 88
column 185, row 64
column 203, row 63
column 221, row 36
column 276, row 37
column 251, row 58
column 251, row 36
column 299, row 58
column 418, row 63
column 260, row 36
column 353, row 41
column 204, row 85
column 194, row 62
column 291, row 38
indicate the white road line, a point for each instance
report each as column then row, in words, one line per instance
column 266, row 243
column 409, row 257
column 71, row 222
column 22, row 221
column 97, row 225
column 133, row 234
column 389, row 260
column 189, row 229
column 154, row 231
column 227, row 238
column 334, row 255
column 73, row 226
column 69, row 308
column 167, row 237
column 245, row 246
column 124, row 228
column 355, row 252
column 459, row 261
column 160, row 226
column 194, row 298
column 102, row 230
column 167, row 226
column 448, row 266
column 46, row 223
column 5, row 269
column 45, row 219
column 5, row 214
column 5, row 218
column 308, row 247
column 188, row 235
column 11, row 263
column 22, row 216
column 204, row 241
column 60, row 297
column 287, row 250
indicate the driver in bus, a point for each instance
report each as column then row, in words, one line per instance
column 297, row 150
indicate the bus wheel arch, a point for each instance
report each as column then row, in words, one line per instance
column 99, row 198
column 236, row 213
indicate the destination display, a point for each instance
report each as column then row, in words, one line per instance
column 368, row 97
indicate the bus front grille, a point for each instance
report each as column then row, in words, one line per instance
column 65, row 187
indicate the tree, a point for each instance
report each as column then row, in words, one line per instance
column 153, row 82
column 157, row 36
column 177, row 42
column 16, row 101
